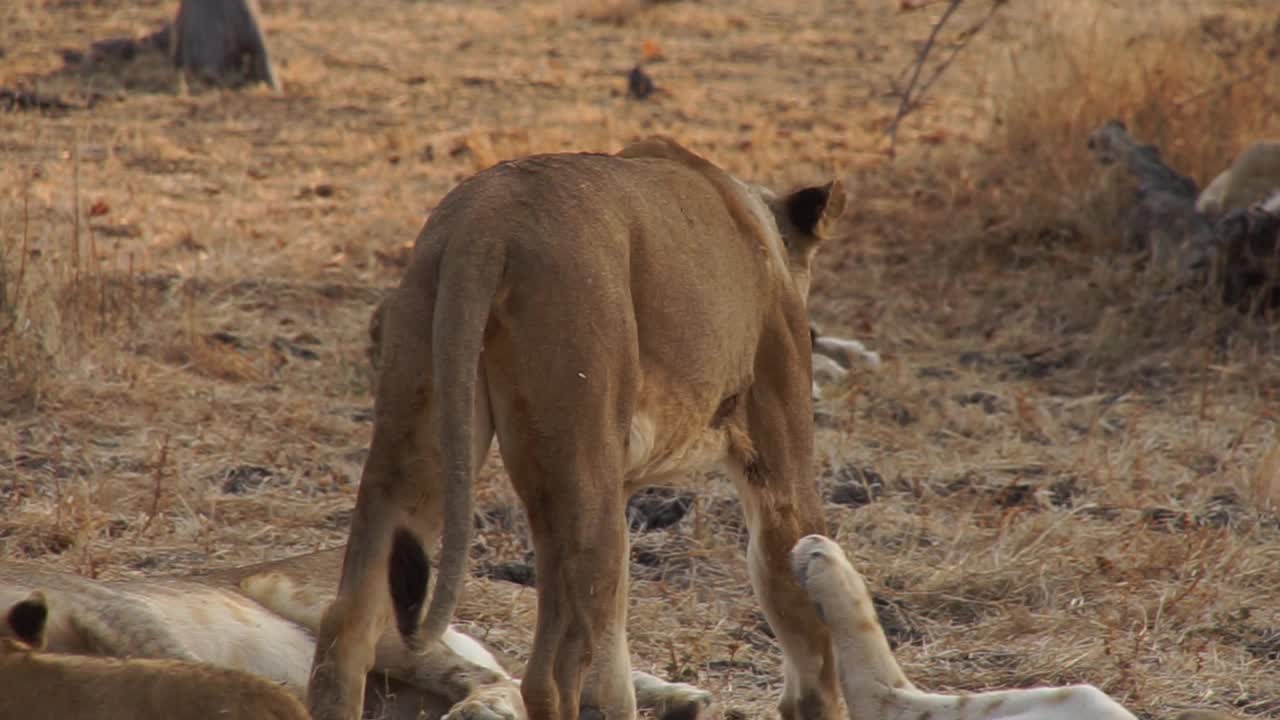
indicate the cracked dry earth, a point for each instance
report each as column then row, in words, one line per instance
column 189, row 386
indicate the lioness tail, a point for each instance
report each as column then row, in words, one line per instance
column 470, row 270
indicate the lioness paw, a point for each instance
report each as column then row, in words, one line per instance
column 468, row 710
column 684, row 702
column 670, row 700
column 807, row 551
column 494, row 703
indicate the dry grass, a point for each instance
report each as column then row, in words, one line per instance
column 1064, row 473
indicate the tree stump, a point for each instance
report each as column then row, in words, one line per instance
column 222, row 42
column 1238, row 251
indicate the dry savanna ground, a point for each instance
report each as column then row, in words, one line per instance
column 1066, row 471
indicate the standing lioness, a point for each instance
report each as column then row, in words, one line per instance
column 616, row 320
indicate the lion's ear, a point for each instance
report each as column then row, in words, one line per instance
column 26, row 620
column 816, row 210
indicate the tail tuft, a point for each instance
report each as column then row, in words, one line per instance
column 408, row 574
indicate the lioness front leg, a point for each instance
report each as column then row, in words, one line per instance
column 775, row 482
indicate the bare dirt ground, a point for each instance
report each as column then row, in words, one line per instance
column 1065, row 472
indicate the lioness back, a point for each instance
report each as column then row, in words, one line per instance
column 604, row 244
column 662, row 270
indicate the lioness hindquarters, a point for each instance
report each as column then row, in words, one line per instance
column 562, row 365
column 402, row 487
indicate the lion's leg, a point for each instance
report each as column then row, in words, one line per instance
column 567, row 468
column 580, row 539
column 780, row 498
column 609, row 685
column 775, row 522
column 361, row 612
column 398, row 488
column 562, row 398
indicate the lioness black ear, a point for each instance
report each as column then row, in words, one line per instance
column 814, row 210
column 27, row 620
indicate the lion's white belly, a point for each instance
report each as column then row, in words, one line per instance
column 656, row 452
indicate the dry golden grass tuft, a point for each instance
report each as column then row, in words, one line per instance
column 1031, row 199
column 1195, row 83
column 1065, row 471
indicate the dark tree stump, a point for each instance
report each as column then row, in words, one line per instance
column 222, row 42
column 1238, row 251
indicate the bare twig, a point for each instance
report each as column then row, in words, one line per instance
column 1227, row 84
column 157, row 484
column 75, row 210
column 26, row 236
column 915, row 90
column 11, row 299
column 908, row 94
column 963, row 41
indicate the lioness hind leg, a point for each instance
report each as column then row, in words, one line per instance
column 569, row 475
column 361, row 612
column 562, row 397
column 580, row 539
column 399, row 488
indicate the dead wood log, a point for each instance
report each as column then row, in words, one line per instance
column 1238, row 251
column 221, row 41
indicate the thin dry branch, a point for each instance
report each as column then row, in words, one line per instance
column 157, row 488
column 1227, row 84
column 915, row 90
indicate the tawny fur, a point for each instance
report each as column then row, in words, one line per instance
column 262, row 619
column 35, row 685
column 1253, row 177
column 875, row 688
column 615, row 321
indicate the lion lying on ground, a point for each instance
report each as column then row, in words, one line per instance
column 35, row 685
column 261, row 619
column 616, row 321
column 1254, row 176
column 875, row 688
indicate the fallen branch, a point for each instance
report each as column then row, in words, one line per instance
column 16, row 99
column 1240, row 251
